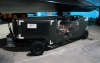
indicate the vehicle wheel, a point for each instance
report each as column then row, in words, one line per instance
column 37, row 48
column 85, row 35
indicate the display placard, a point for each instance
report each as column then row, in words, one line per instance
column 31, row 26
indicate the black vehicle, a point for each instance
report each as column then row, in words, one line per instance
column 40, row 32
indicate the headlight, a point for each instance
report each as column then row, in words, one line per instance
column 86, row 27
column 86, row 19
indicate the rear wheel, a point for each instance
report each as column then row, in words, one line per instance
column 85, row 35
column 37, row 48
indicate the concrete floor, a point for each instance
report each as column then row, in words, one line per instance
column 80, row 51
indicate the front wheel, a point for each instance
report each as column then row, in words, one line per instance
column 85, row 34
column 37, row 48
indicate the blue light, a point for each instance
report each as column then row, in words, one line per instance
column 45, row 14
column 30, row 15
column 54, row 13
column 92, row 14
column 41, row 14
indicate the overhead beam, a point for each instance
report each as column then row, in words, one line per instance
column 28, row 6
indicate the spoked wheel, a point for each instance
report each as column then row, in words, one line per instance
column 37, row 48
column 85, row 35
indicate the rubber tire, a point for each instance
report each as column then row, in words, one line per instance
column 85, row 34
column 36, row 44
